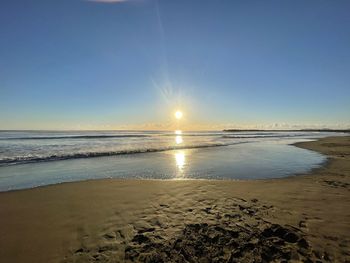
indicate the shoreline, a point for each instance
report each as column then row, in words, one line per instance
column 295, row 144
column 83, row 217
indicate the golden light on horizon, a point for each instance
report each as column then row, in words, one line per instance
column 178, row 115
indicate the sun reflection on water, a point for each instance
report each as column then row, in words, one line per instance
column 178, row 139
column 180, row 156
column 180, row 161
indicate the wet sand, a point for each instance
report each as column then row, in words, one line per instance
column 300, row 218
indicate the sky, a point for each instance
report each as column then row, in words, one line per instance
column 78, row 64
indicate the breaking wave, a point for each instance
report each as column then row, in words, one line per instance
column 34, row 159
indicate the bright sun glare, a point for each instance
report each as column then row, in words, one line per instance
column 178, row 115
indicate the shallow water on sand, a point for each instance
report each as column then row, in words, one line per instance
column 18, row 147
column 239, row 156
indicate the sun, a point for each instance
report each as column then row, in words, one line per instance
column 178, row 115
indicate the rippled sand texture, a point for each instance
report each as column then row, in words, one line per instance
column 301, row 218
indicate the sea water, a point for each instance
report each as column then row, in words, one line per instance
column 35, row 158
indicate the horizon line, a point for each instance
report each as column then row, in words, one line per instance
column 223, row 130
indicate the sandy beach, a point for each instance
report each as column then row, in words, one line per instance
column 299, row 218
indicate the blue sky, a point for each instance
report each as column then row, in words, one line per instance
column 75, row 64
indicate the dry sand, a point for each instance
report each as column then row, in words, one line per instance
column 300, row 218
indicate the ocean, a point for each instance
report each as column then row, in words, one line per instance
column 35, row 158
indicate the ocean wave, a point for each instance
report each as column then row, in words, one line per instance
column 77, row 137
column 145, row 135
column 33, row 159
column 262, row 136
column 108, row 136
